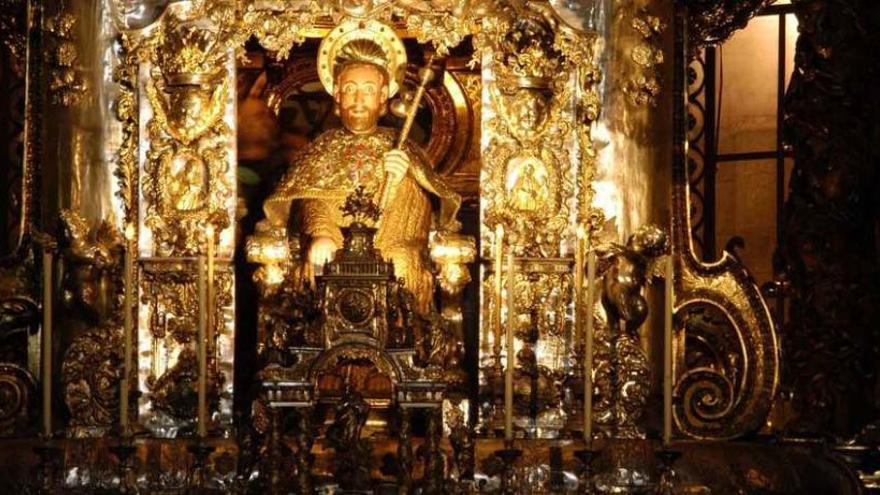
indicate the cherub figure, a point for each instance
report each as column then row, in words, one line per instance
column 628, row 268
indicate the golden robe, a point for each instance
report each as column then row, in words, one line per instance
column 329, row 169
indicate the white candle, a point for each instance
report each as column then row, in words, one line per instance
column 47, row 343
column 128, row 326
column 511, row 358
column 209, row 234
column 578, row 288
column 588, row 350
column 496, row 316
column 667, row 351
column 202, row 351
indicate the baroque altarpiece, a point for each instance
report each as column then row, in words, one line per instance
column 373, row 246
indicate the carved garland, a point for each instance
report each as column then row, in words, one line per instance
column 127, row 110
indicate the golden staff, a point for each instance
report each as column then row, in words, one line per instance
column 426, row 75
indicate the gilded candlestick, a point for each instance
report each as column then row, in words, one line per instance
column 511, row 355
column 47, row 343
column 667, row 351
column 202, row 351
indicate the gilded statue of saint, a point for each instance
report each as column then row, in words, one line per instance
column 361, row 66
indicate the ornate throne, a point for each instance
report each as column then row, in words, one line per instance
column 356, row 331
column 359, row 312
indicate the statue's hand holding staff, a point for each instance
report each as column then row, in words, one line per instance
column 396, row 166
column 396, row 161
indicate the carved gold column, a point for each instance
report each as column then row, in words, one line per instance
column 78, row 196
column 185, row 186
column 632, row 183
column 538, row 105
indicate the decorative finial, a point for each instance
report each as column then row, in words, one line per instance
column 361, row 207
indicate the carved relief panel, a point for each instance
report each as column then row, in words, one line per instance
column 186, row 182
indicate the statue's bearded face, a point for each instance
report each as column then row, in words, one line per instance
column 361, row 96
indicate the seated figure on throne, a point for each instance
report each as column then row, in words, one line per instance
column 362, row 69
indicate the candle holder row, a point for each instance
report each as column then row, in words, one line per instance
column 74, row 467
column 207, row 300
column 623, row 365
column 587, row 457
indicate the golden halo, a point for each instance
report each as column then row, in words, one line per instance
column 375, row 31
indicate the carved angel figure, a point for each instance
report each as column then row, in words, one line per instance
column 624, row 380
column 626, row 275
column 92, row 255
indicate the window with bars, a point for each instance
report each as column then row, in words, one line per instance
column 739, row 166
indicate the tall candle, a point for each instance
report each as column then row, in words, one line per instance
column 496, row 315
column 128, row 327
column 511, row 357
column 202, row 351
column 667, row 351
column 209, row 234
column 578, row 289
column 47, row 343
column 588, row 349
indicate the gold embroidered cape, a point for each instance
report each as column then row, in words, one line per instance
column 329, row 167
column 327, row 171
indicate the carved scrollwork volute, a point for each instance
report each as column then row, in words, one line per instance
column 90, row 376
column 17, row 398
column 726, row 346
column 728, row 349
column 712, row 21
